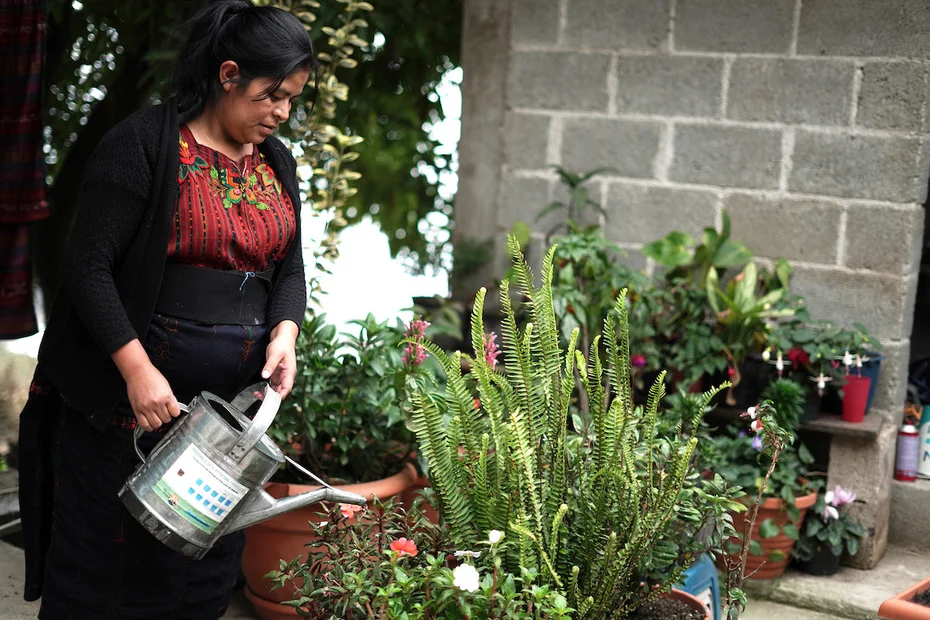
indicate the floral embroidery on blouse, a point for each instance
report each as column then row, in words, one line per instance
column 230, row 184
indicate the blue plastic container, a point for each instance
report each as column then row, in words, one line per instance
column 701, row 581
column 871, row 369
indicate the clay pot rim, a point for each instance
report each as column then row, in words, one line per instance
column 777, row 503
column 690, row 599
column 276, row 609
column 899, row 607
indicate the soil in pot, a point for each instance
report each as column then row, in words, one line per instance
column 922, row 598
column 667, row 609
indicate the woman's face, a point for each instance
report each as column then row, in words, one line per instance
column 245, row 117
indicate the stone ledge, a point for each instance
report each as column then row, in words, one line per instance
column 851, row 593
column 908, row 526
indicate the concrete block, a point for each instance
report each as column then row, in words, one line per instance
column 558, row 81
column 760, row 26
column 629, row 147
column 521, row 199
column 782, row 227
column 618, row 24
column 909, row 527
column 910, row 299
column 894, row 28
column 633, row 258
column 892, row 96
column 855, row 166
column 526, row 137
column 535, row 21
column 866, row 466
column 588, row 215
column 892, row 382
column 884, row 239
column 669, row 85
column 877, row 301
column 727, row 156
column 817, row 92
column 640, row 214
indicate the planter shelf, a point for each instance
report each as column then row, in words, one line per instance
column 826, row 423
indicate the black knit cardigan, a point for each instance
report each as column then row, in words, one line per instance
column 115, row 259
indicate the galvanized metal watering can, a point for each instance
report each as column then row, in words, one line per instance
column 204, row 478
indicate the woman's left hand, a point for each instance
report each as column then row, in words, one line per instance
column 281, row 359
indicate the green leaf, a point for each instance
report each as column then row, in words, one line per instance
column 768, row 529
column 777, row 555
column 791, row 531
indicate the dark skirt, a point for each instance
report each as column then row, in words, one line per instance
column 86, row 556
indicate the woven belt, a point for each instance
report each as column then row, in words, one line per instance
column 214, row 297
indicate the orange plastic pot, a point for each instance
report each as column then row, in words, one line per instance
column 900, row 607
column 284, row 537
column 763, row 566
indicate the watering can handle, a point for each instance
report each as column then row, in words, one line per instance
column 260, row 423
column 139, row 430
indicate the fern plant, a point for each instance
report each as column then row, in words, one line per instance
column 581, row 511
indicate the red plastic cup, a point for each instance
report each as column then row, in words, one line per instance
column 855, row 398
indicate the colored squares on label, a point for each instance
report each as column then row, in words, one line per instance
column 212, row 508
column 214, row 494
column 199, row 497
column 206, row 502
column 190, row 491
column 228, row 502
column 219, row 512
column 199, row 482
column 206, row 488
column 221, row 499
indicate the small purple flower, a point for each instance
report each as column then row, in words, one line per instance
column 742, row 434
column 757, row 443
column 638, row 361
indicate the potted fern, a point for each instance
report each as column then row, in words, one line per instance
column 582, row 496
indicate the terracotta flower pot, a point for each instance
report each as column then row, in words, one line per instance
column 285, row 536
column 691, row 601
column 775, row 509
column 900, row 607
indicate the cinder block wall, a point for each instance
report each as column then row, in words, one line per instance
column 806, row 120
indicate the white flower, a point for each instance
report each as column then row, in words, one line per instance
column 467, row 554
column 751, row 412
column 494, row 536
column 828, row 498
column 767, row 354
column 756, row 426
column 465, row 577
column 847, row 359
column 830, row 512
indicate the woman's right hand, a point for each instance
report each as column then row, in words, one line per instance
column 150, row 396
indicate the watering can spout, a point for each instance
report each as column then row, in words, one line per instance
column 266, row 507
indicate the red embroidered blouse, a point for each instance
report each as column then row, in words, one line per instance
column 228, row 217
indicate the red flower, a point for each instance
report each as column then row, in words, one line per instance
column 402, row 546
column 477, row 403
column 798, row 357
column 731, row 371
column 638, row 361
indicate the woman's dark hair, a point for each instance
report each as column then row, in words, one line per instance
column 265, row 41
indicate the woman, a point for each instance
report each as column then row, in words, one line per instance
column 183, row 274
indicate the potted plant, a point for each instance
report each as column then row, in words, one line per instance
column 344, row 421
column 583, row 497
column 788, row 398
column 386, row 562
column 912, row 604
column 827, row 532
column 784, row 501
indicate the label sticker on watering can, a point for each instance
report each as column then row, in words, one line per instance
column 198, row 491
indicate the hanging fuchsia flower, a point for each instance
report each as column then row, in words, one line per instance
column 638, row 361
column 491, row 350
column 414, row 354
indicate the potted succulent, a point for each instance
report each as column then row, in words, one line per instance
column 583, row 497
column 912, row 604
column 788, row 494
column 828, row 531
column 344, row 421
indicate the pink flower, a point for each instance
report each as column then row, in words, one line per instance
column 349, row 510
column 402, row 546
column 839, row 496
column 491, row 350
column 414, row 354
column 731, row 371
column 638, row 361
